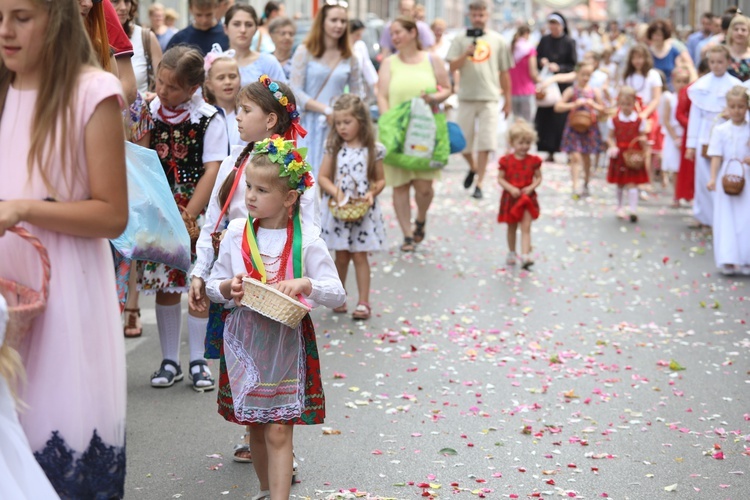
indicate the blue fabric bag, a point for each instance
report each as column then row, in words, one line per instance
column 155, row 230
column 456, row 138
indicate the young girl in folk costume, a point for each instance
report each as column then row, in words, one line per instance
column 640, row 75
column 260, row 115
column 190, row 137
column 63, row 180
column 222, row 87
column 729, row 150
column 520, row 175
column 684, row 188
column 670, row 127
column 708, row 97
column 580, row 145
column 627, row 130
column 271, row 375
column 353, row 167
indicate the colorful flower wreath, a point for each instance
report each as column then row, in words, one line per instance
column 291, row 161
column 295, row 129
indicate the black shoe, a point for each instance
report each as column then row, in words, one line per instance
column 633, row 218
column 469, row 179
column 477, row 193
column 164, row 377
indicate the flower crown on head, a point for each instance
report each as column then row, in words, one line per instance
column 215, row 54
column 291, row 161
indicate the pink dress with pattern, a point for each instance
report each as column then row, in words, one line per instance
column 75, row 354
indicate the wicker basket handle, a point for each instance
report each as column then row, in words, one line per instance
column 742, row 166
column 338, row 188
column 43, row 256
column 635, row 139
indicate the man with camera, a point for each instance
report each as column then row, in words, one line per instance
column 482, row 59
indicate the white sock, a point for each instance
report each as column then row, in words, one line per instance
column 169, row 323
column 620, row 192
column 633, row 200
column 197, row 333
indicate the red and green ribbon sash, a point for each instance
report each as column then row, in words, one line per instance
column 251, row 252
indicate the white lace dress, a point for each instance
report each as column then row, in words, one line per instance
column 367, row 234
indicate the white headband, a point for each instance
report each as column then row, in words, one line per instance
column 556, row 18
column 216, row 53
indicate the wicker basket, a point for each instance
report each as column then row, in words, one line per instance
column 581, row 120
column 733, row 184
column 634, row 158
column 273, row 304
column 191, row 224
column 352, row 210
column 25, row 304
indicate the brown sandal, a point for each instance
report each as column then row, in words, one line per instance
column 341, row 309
column 419, row 233
column 132, row 328
column 362, row 311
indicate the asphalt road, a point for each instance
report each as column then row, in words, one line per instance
column 476, row 379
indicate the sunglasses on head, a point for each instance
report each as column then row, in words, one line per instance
column 334, row 3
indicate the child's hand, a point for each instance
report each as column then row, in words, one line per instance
column 676, row 138
column 711, row 186
column 370, row 198
column 613, row 152
column 196, row 295
column 340, row 197
column 237, row 289
column 746, row 161
column 690, row 154
column 514, row 192
column 295, row 287
column 527, row 190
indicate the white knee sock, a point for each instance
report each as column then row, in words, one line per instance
column 633, row 199
column 620, row 192
column 197, row 332
column 169, row 322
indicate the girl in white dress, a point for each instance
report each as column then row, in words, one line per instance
column 729, row 150
column 22, row 478
column 670, row 127
column 353, row 167
column 222, row 87
column 708, row 97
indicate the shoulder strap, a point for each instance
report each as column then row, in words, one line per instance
column 320, row 90
column 146, row 40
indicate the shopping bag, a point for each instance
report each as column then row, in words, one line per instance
column 393, row 127
column 547, row 97
column 155, row 230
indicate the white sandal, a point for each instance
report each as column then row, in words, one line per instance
column 262, row 495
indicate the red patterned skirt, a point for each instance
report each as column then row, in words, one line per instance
column 314, row 410
column 512, row 209
column 621, row 175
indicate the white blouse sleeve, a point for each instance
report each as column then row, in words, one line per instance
column 298, row 77
column 327, row 289
column 223, row 269
column 716, row 142
column 216, row 140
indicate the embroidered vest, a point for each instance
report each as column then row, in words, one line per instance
column 180, row 149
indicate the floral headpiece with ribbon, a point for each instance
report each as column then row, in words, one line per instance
column 291, row 161
column 216, row 54
column 296, row 129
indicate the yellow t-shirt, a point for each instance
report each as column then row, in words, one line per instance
column 480, row 80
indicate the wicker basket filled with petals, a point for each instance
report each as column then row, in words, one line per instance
column 350, row 209
column 273, row 304
column 634, row 158
column 733, row 184
column 24, row 303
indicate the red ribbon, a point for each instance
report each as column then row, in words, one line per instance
column 294, row 131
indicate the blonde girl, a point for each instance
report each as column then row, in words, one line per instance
column 641, row 76
column 581, row 145
column 353, row 167
column 222, row 87
column 520, row 174
column 671, row 128
column 271, row 375
column 729, row 149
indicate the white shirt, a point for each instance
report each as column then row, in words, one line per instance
column 644, row 85
column 318, row 265
column 140, row 67
column 633, row 116
column 708, row 97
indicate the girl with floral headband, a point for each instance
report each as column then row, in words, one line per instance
column 260, row 114
column 270, row 373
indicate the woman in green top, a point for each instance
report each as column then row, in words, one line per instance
column 409, row 73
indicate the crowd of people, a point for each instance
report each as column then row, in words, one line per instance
column 264, row 146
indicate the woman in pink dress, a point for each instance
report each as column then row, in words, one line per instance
column 63, row 179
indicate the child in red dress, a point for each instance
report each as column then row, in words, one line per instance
column 627, row 130
column 520, row 174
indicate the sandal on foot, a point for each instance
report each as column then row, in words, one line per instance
column 408, row 245
column 362, row 311
column 419, row 231
column 202, row 380
column 164, row 377
column 341, row 309
column 132, row 327
column 526, row 262
column 262, row 495
column 295, row 467
column 242, row 453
